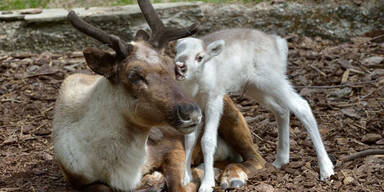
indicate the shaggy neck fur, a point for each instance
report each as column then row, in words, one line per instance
column 94, row 136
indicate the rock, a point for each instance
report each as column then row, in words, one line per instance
column 344, row 63
column 28, row 128
column 14, row 65
column 42, row 132
column 377, row 73
column 47, row 156
column 307, row 92
column 371, row 138
column 264, row 188
column 372, row 61
column 341, row 141
column 341, row 93
column 44, row 58
column 33, row 68
column 347, row 180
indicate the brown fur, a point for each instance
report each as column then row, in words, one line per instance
column 156, row 92
column 141, row 92
column 167, row 154
column 234, row 130
column 169, row 150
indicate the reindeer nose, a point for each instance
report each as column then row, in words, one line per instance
column 189, row 112
column 180, row 64
column 181, row 67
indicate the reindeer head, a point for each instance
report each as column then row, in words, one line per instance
column 192, row 54
column 144, row 72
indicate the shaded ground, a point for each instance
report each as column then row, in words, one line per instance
column 344, row 83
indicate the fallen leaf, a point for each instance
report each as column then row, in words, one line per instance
column 350, row 112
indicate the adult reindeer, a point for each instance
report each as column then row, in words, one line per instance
column 102, row 122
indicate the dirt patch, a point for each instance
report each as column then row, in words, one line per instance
column 343, row 82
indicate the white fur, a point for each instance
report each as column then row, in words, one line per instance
column 253, row 60
column 146, row 54
column 91, row 137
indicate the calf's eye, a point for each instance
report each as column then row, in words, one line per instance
column 199, row 58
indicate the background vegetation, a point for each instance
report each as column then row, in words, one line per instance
column 25, row 4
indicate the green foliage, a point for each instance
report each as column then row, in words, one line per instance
column 22, row 4
column 218, row 1
column 124, row 2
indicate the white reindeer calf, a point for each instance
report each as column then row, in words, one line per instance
column 227, row 61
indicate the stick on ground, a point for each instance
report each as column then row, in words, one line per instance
column 362, row 154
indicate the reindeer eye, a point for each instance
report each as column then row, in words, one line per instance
column 136, row 77
column 199, row 58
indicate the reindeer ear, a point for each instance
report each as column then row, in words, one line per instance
column 141, row 35
column 215, row 48
column 100, row 62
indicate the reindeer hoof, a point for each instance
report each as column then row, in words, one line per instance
column 237, row 183
column 233, row 177
column 278, row 164
column 224, row 185
column 326, row 168
column 206, row 189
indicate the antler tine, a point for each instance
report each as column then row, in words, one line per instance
column 118, row 45
column 151, row 16
column 174, row 34
column 160, row 34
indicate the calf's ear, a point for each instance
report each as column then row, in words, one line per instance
column 215, row 48
column 100, row 62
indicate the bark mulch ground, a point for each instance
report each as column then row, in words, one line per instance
column 343, row 82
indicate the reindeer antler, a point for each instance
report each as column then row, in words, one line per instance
column 160, row 34
column 121, row 48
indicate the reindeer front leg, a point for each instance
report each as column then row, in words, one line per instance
column 213, row 112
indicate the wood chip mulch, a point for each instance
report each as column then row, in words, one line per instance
column 343, row 82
